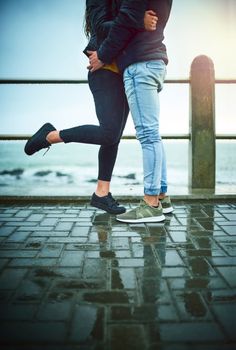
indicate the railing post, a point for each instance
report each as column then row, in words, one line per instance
column 202, row 125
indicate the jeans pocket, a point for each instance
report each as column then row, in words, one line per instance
column 158, row 71
column 157, row 64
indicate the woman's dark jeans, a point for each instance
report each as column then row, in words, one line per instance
column 112, row 111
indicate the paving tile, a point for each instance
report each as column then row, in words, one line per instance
column 5, row 215
column 64, row 226
column 26, row 333
column 35, row 242
column 17, row 253
column 222, row 295
column 48, row 222
column 133, row 262
column 6, row 231
column 27, row 262
column 226, row 315
column 54, row 311
column 120, row 243
column 35, row 217
column 18, row 236
column 92, row 326
column 127, row 337
column 223, row 261
column 178, row 235
column 172, row 258
column 21, row 224
column 229, row 274
column 31, row 290
column 35, row 228
column 3, row 262
column 230, row 248
column 95, row 268
column 166, row 313
column 191, row 306
column 61, row 239
column 80, row 231
column 123, row 278
column 51, row 251
column 230, row 230
column 15, row 312
column 11, row 219
column 72, row 258
column 10, row 278
column 107, row 297
column 22, row 213
column 174, row 272
column 48, row 234
column 191, row 332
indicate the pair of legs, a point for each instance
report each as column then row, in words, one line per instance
column 143, row 81
column 112, row 110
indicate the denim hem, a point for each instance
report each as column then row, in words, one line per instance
column 152, row 192
column 163, row 189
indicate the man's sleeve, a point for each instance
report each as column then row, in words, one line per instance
column 100, row 18
column 129, row 21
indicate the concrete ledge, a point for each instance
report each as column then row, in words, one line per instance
column 126, row 199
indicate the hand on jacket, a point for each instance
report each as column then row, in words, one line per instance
column 94, row 62
column 150, row 20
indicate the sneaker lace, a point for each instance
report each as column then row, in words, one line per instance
column 46, row 150
column 112, row 201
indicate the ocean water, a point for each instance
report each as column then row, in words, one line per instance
column 72, row 169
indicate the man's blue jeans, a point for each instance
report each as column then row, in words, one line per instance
column 143, row 82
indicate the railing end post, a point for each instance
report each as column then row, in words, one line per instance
column 202, row 124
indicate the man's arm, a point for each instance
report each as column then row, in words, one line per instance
column 100, row 17
column 129, row 20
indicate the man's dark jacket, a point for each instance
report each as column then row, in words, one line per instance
column 127, row 41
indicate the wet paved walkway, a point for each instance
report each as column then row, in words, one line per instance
column 71, row 277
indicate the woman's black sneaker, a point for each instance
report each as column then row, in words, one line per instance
column 38, row 140
column 107, row 203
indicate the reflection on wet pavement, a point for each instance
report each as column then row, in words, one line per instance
column 72, row 277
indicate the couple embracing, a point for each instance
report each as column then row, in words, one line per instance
column 127, row 68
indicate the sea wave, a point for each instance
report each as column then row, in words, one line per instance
column 65, row 171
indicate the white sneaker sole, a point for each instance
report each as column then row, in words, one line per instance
column 143, row 220
column 167, row 210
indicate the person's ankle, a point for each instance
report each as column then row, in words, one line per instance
column 53, row 137
column 162, row 195
column 152, row 201
column 102, row 188
column 101, row 193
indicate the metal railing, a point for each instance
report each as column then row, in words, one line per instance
column 202, row 135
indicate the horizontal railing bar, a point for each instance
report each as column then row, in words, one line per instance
column 225, row 137
column 84, row 81
column 225, row 81
column 16, row 137
column 72, row 81
column 43, row 81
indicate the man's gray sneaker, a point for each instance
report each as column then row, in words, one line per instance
column 166, row 205
column 143, row 213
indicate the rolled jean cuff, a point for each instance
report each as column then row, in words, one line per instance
column 163, row 189
column 152, row 192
